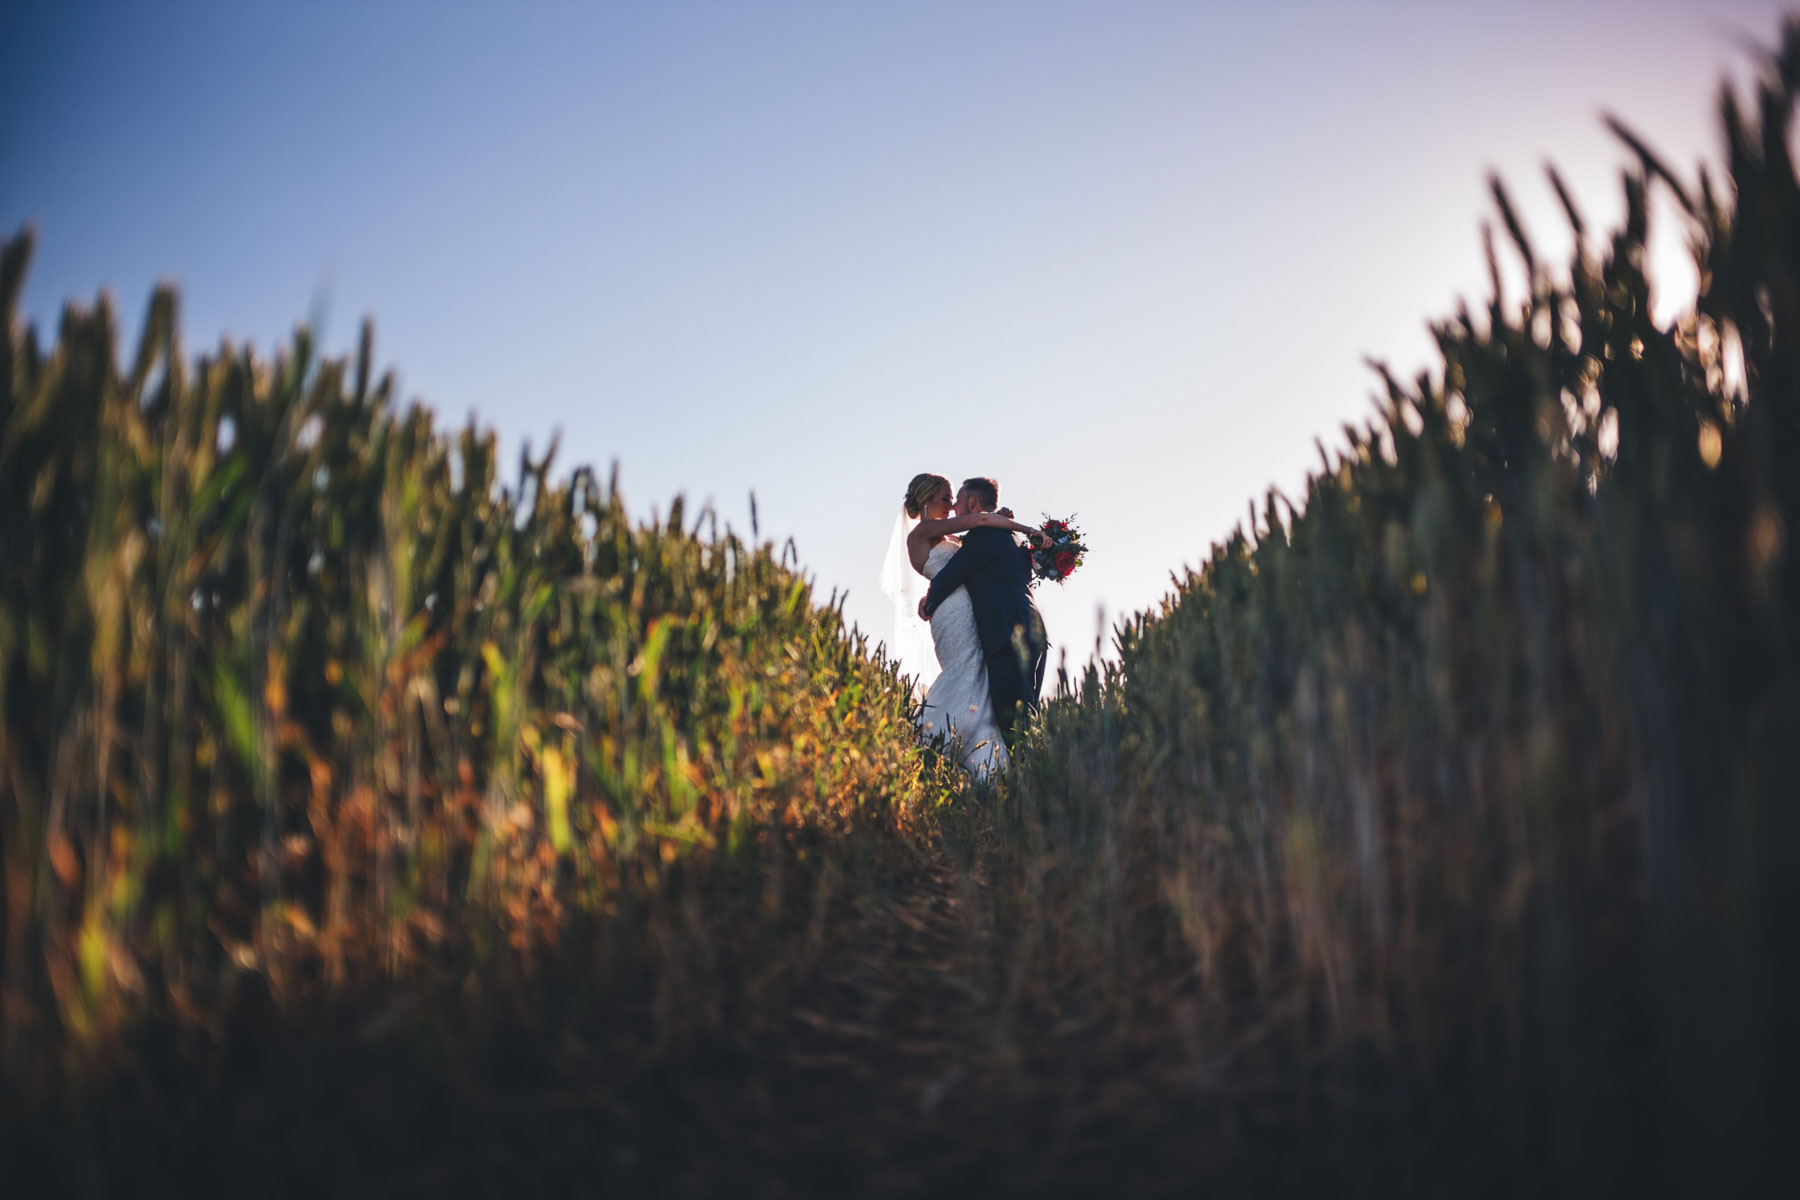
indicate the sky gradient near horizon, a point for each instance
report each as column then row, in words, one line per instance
column 1126, row 258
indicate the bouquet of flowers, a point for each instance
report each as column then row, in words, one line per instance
column 1058, row 560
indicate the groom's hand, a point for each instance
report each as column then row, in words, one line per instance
column 923, row 615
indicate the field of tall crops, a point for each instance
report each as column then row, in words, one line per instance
column 376, row 818
column 310, row 710
column 1448, row 820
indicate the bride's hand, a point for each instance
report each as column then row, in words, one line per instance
column 1041, row 538
column 923, row 615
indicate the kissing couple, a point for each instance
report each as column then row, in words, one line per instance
column 975, row 623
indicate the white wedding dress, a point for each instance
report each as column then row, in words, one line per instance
column 958, row 704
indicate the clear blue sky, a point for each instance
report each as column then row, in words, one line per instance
column 1126, row 257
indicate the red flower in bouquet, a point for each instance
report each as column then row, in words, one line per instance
column 1065, row 562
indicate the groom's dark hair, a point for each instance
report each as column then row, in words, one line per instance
column 984, row 490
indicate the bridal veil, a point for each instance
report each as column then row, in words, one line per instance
column 911, row 643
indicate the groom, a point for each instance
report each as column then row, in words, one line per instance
column 996, row 570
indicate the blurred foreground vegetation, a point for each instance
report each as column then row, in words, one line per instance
column 1456, row 809
column 370, row 824
column 305, row 711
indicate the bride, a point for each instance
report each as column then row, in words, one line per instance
column 956, row 704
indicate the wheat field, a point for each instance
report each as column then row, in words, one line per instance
column 376, row 818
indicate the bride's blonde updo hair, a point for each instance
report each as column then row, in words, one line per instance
column 920, row 490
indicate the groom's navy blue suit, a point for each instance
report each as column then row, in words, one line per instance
column 996, row 570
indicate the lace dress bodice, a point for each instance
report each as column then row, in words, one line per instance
column 958, row 703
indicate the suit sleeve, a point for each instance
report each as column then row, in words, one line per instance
column 975, row 554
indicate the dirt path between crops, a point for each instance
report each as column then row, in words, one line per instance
column 867, row 1083
column 890, row 1078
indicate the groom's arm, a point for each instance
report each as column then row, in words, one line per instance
column 975, row 554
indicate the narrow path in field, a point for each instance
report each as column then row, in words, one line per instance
column 895, row 1076
column 876, row 1056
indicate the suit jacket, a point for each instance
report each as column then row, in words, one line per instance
column 996, row 570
